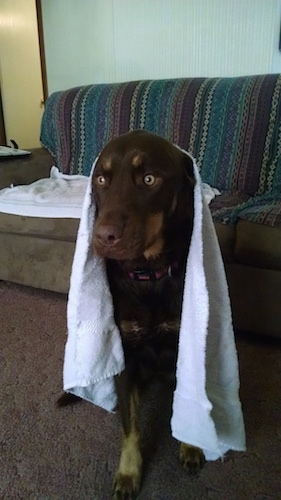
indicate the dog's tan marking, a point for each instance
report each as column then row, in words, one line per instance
column 191, row 457
column 168, row 326
column 154, row 250
column 107, row 165
column 128, row 326
column 153, row 235
column 128, row 477
column 137, row 160
column 154, row 225
column 174, row 204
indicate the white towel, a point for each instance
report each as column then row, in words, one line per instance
column 206, row 406
column 58, row 196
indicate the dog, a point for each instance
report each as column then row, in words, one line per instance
column 143, row 187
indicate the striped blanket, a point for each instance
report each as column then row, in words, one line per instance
column 232, row 126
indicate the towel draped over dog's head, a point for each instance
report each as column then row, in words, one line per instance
column 206, row 407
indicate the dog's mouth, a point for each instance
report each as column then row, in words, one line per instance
column 116, row 251
column 120, row 251
column 118, row 246
column 129, row 242
column 113, row 241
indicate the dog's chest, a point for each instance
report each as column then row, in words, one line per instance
column 150, row 313
column 146, row 311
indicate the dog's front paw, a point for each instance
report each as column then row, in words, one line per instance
column 191, row 457
column 126, row 486
column 128, row 476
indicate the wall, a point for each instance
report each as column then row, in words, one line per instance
column 20, row 72
column 276, row 59
column 116, row 40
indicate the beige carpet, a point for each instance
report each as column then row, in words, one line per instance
column 71, row 453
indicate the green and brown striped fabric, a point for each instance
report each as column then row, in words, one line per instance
column 232, row 126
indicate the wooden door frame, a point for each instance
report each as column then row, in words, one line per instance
column 42, row 48
column 3, row 140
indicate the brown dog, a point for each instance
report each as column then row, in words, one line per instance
column 143, row 187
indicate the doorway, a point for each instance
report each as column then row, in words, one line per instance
column 21, row 81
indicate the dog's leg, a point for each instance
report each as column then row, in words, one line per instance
column 128, row 476
column 191, row 457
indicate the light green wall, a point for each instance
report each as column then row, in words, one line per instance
column 93, row 41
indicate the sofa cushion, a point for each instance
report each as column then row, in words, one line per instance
column 249, row 228
column 53, row 229
column 258, row 245
column 226, row 237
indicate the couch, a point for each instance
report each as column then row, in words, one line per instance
column 233, row 128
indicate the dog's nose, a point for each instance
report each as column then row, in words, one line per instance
column 108, row 235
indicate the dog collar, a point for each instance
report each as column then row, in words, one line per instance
column 147, row 275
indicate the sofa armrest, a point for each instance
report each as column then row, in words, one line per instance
column 25, row 169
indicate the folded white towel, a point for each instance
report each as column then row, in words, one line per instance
column 58, row 196
column 206, row 407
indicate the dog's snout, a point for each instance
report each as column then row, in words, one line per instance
column 108, row 234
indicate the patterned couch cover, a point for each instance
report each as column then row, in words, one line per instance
column 232, row 126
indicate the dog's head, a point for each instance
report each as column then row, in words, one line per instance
column 142, row 185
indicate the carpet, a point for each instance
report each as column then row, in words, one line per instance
column 72, row 453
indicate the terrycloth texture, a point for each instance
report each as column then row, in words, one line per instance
column 94, row 352
column 206, row 406
column 58, row 196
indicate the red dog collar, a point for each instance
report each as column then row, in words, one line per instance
column 147, row 275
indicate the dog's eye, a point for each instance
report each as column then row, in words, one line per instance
column 149, row 179
column 100, row 180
